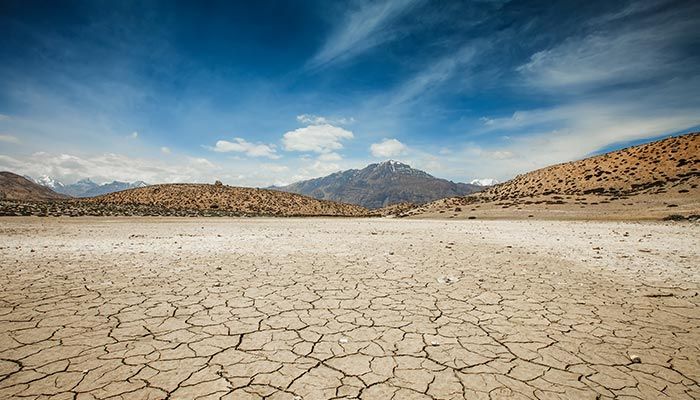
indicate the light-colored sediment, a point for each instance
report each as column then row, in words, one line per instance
column 348, row 308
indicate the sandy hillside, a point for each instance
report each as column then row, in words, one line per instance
column 227, row 198
column 316, row 309
column 18, row 188
column 651, row 181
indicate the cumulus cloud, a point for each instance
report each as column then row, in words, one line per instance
column 9, row 139
column 134, row 135
column 165, row 150
column 311, row 119
column 388, row 148
column 323, row 138
column 240, row 145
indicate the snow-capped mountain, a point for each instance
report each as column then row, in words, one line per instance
column 484, row 182
column 86, row 187
column 48, row 181
column 379, row 185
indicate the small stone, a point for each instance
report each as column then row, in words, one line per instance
column 343, row 340
column 434, row 343
column 447, row 280
column 635, row 359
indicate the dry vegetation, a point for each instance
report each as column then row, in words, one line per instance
column 227, row 198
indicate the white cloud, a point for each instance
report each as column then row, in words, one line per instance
column 134, row 135
column 240, row 145
column 9, row 139
column 388, row 148
column 500, row 154
column 316, row 138
column 4, row 117
column 109, row 167
column 202, row 162
column 274, row 167
column 362, row 29
column 311, row 119
column 330, row 157
column 165, row 150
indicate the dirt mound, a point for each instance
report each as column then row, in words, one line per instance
column 18, row 188
column 224, row 198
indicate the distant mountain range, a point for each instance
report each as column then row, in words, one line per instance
column 85, row 187
column 379, row 185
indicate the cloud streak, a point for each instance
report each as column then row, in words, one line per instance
column 361, row 29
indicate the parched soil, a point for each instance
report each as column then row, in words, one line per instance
column 155, row 308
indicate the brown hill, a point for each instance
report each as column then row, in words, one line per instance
column 647, row 181
column 18, row 188
column 227, row 198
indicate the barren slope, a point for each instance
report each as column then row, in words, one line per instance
column 227, row 198
column 652, row 180
column 15, row 187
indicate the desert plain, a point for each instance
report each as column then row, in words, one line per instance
column 322, row 308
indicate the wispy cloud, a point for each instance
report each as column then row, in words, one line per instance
column 628, row 54
column 363, row 28
column 434, row 75
column 311, row 119
column 9, row 139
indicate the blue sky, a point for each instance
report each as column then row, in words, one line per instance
column 269, row 92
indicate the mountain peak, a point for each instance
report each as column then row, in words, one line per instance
column 380, row 184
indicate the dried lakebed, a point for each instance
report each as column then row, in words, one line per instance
column 152, row 308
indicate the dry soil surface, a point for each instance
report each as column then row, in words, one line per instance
column 143, row 308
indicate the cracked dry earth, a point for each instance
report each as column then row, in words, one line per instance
column 140, row 308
